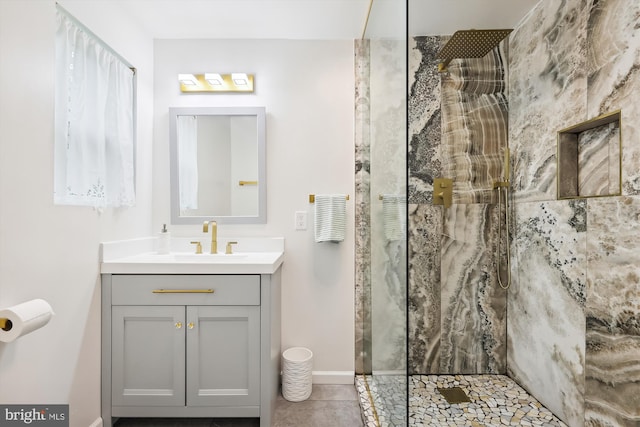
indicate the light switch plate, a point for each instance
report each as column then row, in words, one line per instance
column 301, row 220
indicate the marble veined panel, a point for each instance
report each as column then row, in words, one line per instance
column 424, row 118
column 614, row 76
column 388, row 307
column 474, row 125
column 388, row 176
column 388, row 117
column 599, row 161
column 612, row 371
column 362, row 206
column 425, row 229
column 547, row 91
column 473, row 308
column 546, row 324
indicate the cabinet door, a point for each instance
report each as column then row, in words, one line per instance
column 223, row 355
column 148, row 355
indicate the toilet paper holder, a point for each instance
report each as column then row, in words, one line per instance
column 24, row 318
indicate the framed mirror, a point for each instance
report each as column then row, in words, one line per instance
column 217, row 165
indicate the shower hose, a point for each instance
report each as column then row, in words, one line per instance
column 506, row 220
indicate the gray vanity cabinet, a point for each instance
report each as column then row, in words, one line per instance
column 223, row 356
column 148, row 357
column 154, row 346
column 190, row 345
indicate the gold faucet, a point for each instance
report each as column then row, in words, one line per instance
column 229, row 249
column 198, row 247
column 214, row 234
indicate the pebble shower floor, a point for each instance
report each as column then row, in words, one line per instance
column 495, row 400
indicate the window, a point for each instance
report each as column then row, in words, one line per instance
column 94, row 120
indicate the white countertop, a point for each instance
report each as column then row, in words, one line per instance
column 136, row 256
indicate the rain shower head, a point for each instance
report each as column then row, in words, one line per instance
column 470, row 44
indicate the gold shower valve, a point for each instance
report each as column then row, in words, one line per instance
column 442, row 66
column 443, row 192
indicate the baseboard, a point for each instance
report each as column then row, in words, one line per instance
column 96, row 423
column 333, row 377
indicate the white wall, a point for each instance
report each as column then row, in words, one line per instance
column 49, row 251
column 307, row 88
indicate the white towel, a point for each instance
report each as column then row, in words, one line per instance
column 394, row 216
column 331, row 217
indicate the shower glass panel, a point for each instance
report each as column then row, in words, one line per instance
column 385, row 49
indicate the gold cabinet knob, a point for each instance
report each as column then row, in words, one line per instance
column 190, row 325
column 178, row 325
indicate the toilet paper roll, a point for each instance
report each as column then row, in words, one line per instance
column 24, row 318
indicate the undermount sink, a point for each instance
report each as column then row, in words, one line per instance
column 189, row 257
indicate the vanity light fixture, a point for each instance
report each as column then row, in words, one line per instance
column 240, row 79
column 214, row 82
column 187, row 79
column 214, row 79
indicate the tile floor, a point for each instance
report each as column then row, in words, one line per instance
column 495, row 400
column 328, row 406
column 389, row 408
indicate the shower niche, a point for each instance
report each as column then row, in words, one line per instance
column 590, row 158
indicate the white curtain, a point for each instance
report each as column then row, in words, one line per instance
column 94, row 130
column 188, row 161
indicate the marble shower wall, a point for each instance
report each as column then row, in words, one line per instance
column 547, row 92
column 612, row 365
column 576, row 266
column 613, row 42
column 546, row 301
column 457, row 129
column 473, row 306
column 474, row 125
column 425, row 220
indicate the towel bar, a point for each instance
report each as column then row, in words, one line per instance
column 312, row 198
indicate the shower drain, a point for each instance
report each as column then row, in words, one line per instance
column 454, row 395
